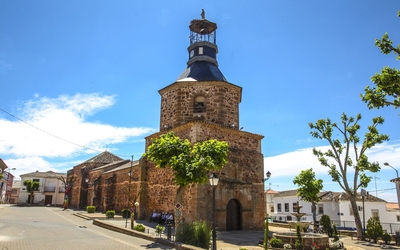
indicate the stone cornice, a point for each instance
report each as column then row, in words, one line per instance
column 207, row 124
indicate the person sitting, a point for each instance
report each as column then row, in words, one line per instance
column 169, row 219
column 153, row 217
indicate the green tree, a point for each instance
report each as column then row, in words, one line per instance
column 374, row 229
column 387, row 83
column 31, row 186
column 349, row 173
column 309, row 188
column 326, row 224
column 190, row 164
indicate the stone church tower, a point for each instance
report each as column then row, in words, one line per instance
column 200, row 105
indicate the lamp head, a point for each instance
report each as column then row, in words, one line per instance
column 213, row 179
column 268, row 174
column 386, row 164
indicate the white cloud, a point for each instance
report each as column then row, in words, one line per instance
column 291, row 163
column 286, row 166
column 54, row 127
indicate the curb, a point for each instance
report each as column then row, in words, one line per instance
column 138, row 234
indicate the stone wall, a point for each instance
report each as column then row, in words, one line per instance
column 222, row 104
column 241, row 179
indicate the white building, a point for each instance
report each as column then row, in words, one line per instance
column 337, row 206
column 50, row 192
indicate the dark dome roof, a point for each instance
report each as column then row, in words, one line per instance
column 202, row 71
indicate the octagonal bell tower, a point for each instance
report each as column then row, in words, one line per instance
column 201, row 92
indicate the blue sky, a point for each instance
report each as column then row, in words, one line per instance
column 89, row 72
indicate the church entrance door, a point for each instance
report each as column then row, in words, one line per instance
column 233, row 215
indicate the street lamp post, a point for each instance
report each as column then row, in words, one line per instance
column 91, row 184
column 387, row 164
column 214, row 182
column 396, row 181
column 266, row 231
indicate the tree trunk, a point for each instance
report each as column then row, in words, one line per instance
column 178, row 210
column 359, row 226
column 32, row 196
column 314, row 215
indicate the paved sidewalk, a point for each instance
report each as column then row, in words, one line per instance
column 226, row 240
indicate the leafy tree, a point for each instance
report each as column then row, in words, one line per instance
column 343, row 165
column 190, row 164
column 31, row 186
column 387, row 83
column 309, row 188
column 326, row 224
column 374, row 229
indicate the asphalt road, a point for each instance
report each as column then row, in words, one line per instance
column 50, row 228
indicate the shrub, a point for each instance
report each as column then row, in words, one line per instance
column 335, row 234
column 159, row 229
column 275, row 242
column 140, row 228
column 386, row 238
column 110, row 214
column 326, row 224
column 126, row 213
column 298, row 245
column 374, row 229
column 91, row 209
column 197, row 233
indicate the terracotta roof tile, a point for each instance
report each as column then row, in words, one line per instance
column 105, row 157
column 48, row 174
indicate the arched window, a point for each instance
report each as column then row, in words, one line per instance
column 199, row 104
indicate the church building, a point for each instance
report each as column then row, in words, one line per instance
column 200, row 105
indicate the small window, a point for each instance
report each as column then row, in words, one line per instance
column 286, row 207
column 375, row 213
column 320, row 209
column 398, row 217
column 271, row 208
column 279, row 207
column 199, row 104
column 200, row 50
